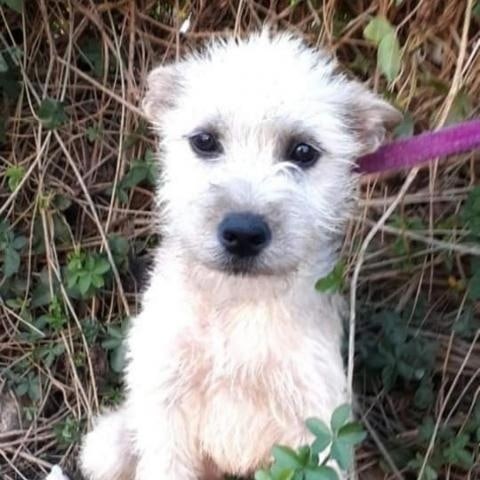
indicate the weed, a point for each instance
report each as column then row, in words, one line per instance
column 52, row 114
column 86, row 273
column 68, row 432
column 141, row 170
column 313, row 462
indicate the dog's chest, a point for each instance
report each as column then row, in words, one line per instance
column 240, row 346
column 246, row 380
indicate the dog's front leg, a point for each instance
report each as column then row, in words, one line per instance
column 164, row 464
column 164, row 444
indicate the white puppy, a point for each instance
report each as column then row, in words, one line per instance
column 234, row 348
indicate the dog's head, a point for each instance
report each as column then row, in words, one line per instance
column 258, row 142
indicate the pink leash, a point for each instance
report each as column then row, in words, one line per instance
column 411, row 151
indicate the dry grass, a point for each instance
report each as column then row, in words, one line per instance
column 421, row 269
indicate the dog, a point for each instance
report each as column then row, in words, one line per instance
column 234, row 348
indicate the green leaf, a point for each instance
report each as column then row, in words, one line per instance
column 16, row 5
column 21, row 389
column 322, row 433
column 429, row 473
column 333, row 282
column 34, row 387
column 10, row 80
column 286, row 474
column 457, row 453
column 14, row 175
column 476, row 9
column 97, row 281
column 461, row 109
column 340, row 416
column 351, row 433
column 321, row 473
column 304, row 455
column 11, row 262
column 389, row 56
column 474, row 286
column 467, row 324
column 262, row 475
column 377, row 29
column 426, row 430
column 285, row 457
column 406, row 127
column 61, row 202
column 117, row 358
column 19, row 242
column 342, row 453
column 91, row 52
column 119, row 247
column 4, row 67
column 94, row 133
column 84, row 283
column 425, row 394
column 101, row 266
column 51, row 113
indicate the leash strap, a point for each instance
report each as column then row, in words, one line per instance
column 411, row 151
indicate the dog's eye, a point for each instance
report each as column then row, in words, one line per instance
column 205, row 144
column 303, row 155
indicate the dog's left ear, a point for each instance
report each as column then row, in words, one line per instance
column 163, row 83
column 369, row 116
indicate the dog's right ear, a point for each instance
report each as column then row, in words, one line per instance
column 163, row 83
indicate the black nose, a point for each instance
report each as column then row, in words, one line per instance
column 244, row 234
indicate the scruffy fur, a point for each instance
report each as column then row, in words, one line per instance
column 222, row 366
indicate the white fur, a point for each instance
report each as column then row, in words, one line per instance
column 221, row 367
column 56, row 474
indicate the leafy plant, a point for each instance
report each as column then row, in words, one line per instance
column 86, row 273
column 16, row 5
column 94, row 133
column 309, row 462
column 91, row 328
column 14, row 175
column 115, row 345
column 389, row 56
column 142, row 170
column 397, row 354
column 91, row 53
column 467, row 323
column 453, row 447
column 11, row 245
column 28, row 384
column 406, row 127
column 49, row 352
column 68, row 431
column 55, row 319
column 462, row 107
column 119, row 248
column 52, row 113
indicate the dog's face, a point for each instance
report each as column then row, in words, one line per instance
column 258, row 143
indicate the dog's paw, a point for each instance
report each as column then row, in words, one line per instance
column 56, row 474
